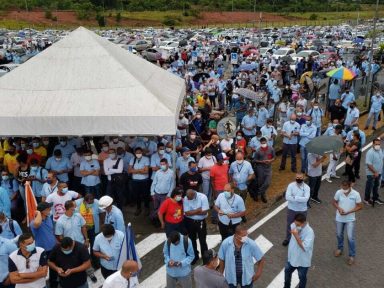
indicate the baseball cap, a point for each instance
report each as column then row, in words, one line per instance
column 43, row 205
column 185, row 149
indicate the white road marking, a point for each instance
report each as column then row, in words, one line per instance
column 264, row 244
column 278, row 282
column 268, row 217
column 150, row 243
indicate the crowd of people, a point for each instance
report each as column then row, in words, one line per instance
column 82, row 185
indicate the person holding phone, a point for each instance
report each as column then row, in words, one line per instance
column 107, row 248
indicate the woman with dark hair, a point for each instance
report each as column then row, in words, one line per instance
column 171, row 214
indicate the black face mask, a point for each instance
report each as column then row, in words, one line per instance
column 299, row 180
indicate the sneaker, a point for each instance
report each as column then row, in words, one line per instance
column 378, row 201
column 351, row 261
column 285, row 242
column 338, row 253
column 316, row 200
column 368, row 202
column 336, row 177
column 93, row 277
column 328, row 180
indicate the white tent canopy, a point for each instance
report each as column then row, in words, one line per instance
column 85, row 85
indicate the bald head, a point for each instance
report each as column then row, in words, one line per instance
column 129, row 267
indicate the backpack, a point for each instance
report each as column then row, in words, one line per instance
column 185, row 242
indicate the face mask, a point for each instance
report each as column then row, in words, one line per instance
column 161, row 152
column 66, row 252
column 193, row 170
column 49, row 181
column 186, row 156
column 163, row 167
column 351, row 106
column 112, row 156
column 105, row 149
column 345, row 191
column 58, row 159
column 377, row 147
column 217, row 142
column 193, row 137
column 5, row 177
column 292, row 121
column 89, row 205
column 243, row 239
column 63, row 143
column 88, row 158
column 227, row 194
column 22, row 145
column 64, row 190
column 308, row 123
column 316, row 107
column 299, row 113
column 30, row 247
column 264, row 145
column 181, row 116
column 46, row 142
column 239, row 162
column 34, row 169
column 109, row 238
column 239, row 137
column 134, row 274
column 299, row 180
column 168, row 150
column 298, row 228
column 145, row 139
column 35, row 145
column 116, row 140
column 355, row 128
column 178, row 198
column 29, row 151
column 198, row 116
column 138, row 155
column 208, row 157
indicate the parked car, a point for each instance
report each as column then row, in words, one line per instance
column 152, row 54
column 283, row 52
column 140, row 45
column 305, row 55
column 6, row 68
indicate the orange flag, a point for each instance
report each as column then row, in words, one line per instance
column 30, row 202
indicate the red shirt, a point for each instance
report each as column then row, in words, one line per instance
column 241, row 144
column 173, row 211
column 219, row 173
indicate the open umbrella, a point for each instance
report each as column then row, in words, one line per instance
column 250, row 94
column 199, row 76
column 304, row 75
column 324, row 144
column 341, row 73
column 247, row 67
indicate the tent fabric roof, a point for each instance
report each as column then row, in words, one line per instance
column 86, row 85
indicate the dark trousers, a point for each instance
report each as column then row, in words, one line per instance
column 289, row 149
column 372, row 185
column 91, row 236
column 53, row 283
column 140, row 189
column 76, row 185
column 94, row 190
column 158, row 199
column 213, row 100
column 105, row 272
column 116, row 191
column 227, row 230
column 288, row 271
column 169, row 227
column 197, row 228
column 314, row 184
column 290, row 219
column 7, row 286
column 351, row 175
column 356, row 164
column 104, row 183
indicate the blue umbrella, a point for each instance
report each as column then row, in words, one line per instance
column 247, row 67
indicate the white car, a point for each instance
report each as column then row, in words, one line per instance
column 305, row 55
column 283, row 52
column 170, row 46
column 6, row 68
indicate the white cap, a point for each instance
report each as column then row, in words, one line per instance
column 105, row 201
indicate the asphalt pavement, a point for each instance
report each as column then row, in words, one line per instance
column 326, row 271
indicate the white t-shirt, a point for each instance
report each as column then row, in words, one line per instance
column 206, row 163
column 226, row 144
column 59, row 202
column 182, row 122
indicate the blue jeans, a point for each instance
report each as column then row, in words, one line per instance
column 304, row 159
column 375, row 119
column 372, row 185
column 246, row 286
column 302, row 271
column 85, row 285
column 207, row 190
column 95, row 190
column 351, row 236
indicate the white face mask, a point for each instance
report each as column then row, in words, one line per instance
column 88, row 158
column 264, row 145
column 105, row 149
column 239, row 162
column 169, row 150
column 376, row 147
column 109, row 238
column 192, row 136
column 138, row 155
column 345, row 191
